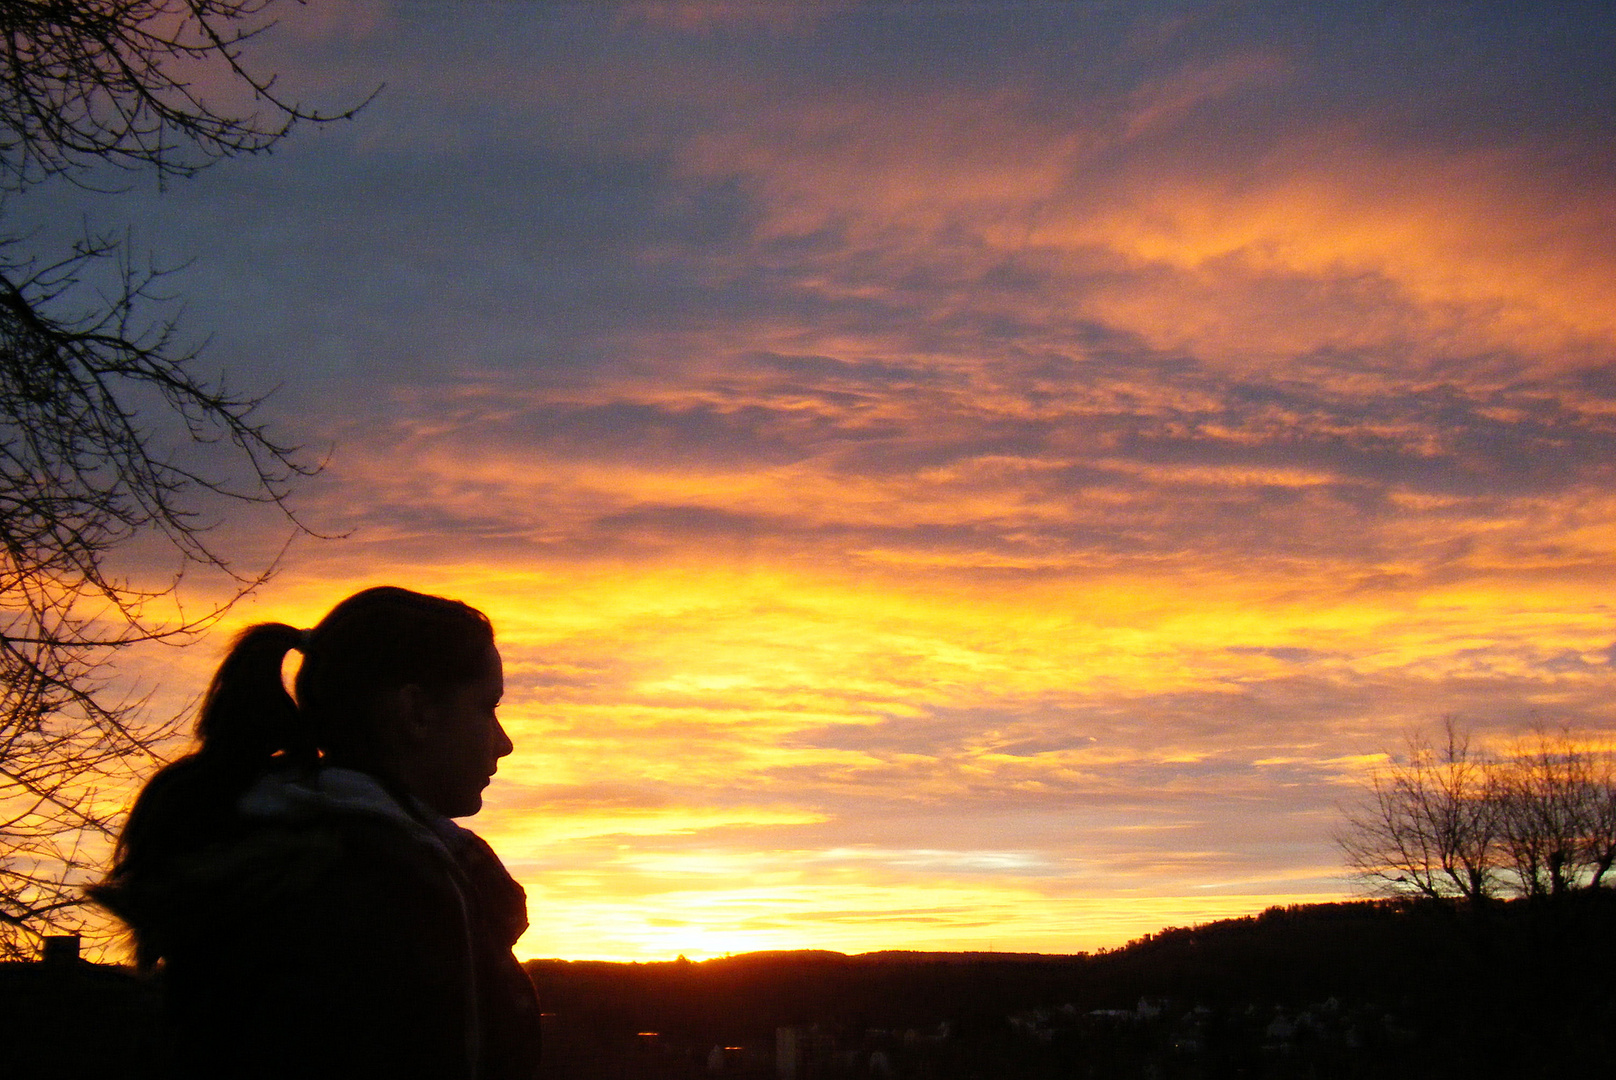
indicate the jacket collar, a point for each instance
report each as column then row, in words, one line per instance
column 311, row 794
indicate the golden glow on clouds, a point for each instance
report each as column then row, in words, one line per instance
column 965, row 508
column 1447, row 239
column 1328, row 238
column 671, row 722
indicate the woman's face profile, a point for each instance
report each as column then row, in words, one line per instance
column 459, row 743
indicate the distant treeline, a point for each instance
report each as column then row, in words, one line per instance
column 1522, row 987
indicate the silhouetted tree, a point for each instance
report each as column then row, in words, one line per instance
column 1599, row 843
column 1429, row 826
column 1554, row 808
column 99, row 402
column 1450, row 821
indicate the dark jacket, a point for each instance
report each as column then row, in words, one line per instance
column 338, row 934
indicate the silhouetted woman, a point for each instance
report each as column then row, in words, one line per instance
column 296, row 882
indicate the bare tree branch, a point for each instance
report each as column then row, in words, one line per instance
column 1450, row 822
column 1428, row 825
column 86, row 82
column 103, row 412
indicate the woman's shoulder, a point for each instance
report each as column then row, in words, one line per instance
column 334, row 947
column 276, row 860
column 302, row 859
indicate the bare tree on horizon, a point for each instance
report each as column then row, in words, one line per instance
column 1428, row 826
column 1450, row 821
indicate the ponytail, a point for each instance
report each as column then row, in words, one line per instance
column 247, row 715
column 247, row 721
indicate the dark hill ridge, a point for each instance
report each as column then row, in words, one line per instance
column 1517, row 984
column 1320, row 991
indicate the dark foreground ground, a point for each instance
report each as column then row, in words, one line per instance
column 1319, row 991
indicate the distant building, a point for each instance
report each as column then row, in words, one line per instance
column 60, row 949
column 787, row 1053
column 1111, row 1014
column 734, row 1061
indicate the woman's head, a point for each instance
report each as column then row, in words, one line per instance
column 393, row 682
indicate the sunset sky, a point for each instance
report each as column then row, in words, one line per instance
column 945, row 475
